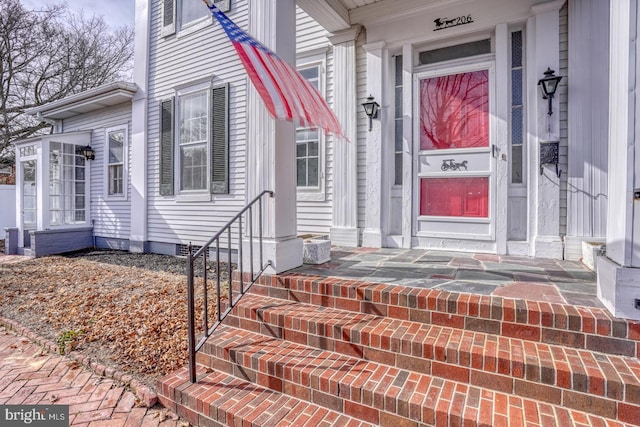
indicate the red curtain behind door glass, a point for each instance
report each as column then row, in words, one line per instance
column 454, row 111
column 466, row 197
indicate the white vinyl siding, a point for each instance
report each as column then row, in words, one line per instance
column 363, row 123
column 112, row 217
column 563, row 97
column 177, row 61
column 314, row 209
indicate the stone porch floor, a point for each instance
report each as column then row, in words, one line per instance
column 537, row 279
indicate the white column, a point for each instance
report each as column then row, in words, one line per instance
column 619, row 271
column 271, row 143
column 138, row 146
column 372, row 235
column 408, row 179
column 544, row 189
column 501, row 130
column 344, row 230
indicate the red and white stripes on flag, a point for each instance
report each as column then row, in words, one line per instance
column 286, row 93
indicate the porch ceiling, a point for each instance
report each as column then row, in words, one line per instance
column 337, row 15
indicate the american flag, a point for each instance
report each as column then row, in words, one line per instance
column 286, row 93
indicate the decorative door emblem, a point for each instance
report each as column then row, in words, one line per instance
column 450, row 164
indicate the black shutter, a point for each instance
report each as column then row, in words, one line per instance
column 220, row 140
column 166, row 147
column 168, row 17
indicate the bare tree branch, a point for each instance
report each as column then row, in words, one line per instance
column 49, row 54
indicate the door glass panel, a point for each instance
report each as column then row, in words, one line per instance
column 454, row 111
column 29, row 195
column 462, row 197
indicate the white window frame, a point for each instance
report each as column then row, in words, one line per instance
column 180, row 28
column 180, row 93
column 125, row 163
column 316, row 194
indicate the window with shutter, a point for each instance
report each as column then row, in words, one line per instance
column 168, row 17
column 166, row 147
column 219, row 151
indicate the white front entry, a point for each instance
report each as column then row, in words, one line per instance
column 454, row 184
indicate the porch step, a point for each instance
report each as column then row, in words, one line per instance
column 572, row 326
column 380, row 394
column 550, row 373
column 393, row 355
column 220, row 399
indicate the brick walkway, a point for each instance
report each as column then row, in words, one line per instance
column 31, row 375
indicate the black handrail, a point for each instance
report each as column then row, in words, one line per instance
column 203, row 252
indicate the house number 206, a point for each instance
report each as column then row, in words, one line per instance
column 442, row 23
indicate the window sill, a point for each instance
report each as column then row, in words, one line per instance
column 193, row 197
column 304, row 196
column 116, row 198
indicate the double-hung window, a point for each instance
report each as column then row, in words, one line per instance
column 116, row 162
column 188, row 14
column 194, row 142
column 310, row 145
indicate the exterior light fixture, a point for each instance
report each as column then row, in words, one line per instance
column 549, row 85
column 88, row 152
column 371, row 109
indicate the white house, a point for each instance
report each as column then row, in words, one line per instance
column 464, row 154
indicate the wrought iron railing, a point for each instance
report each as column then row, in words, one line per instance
column 223, row 309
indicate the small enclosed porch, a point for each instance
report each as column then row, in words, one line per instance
column 52, row 195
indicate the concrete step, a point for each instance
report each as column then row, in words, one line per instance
column 572, row 326
column 551, row 373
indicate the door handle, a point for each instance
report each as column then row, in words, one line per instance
column 494, row 151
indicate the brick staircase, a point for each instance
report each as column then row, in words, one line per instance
column 301, row 350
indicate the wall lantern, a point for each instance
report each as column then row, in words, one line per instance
column 549, row 85
column 88, row 152
column 371, row 109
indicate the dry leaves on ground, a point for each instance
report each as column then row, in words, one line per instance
column 130, row 317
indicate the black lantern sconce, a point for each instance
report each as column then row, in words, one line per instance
column 371, row 108
column 549, row 85
column 88, row 152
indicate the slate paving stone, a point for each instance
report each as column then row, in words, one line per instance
column 588, row 300
column 423, row 283
column 458, row 272
column 465, row 262
column 586, row 288
column 468, row 287
column 434, row 259
column 507, row 266
column 479, row 275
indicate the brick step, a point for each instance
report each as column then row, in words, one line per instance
column 510, row 365
column 389, row 396
column 220, row 399
column 587, row 328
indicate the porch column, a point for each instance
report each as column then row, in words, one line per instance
column 619, row 270
column 138, row 148
column 271, row 143
column 372, row 235
column 344, row 230
column 544, row 34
